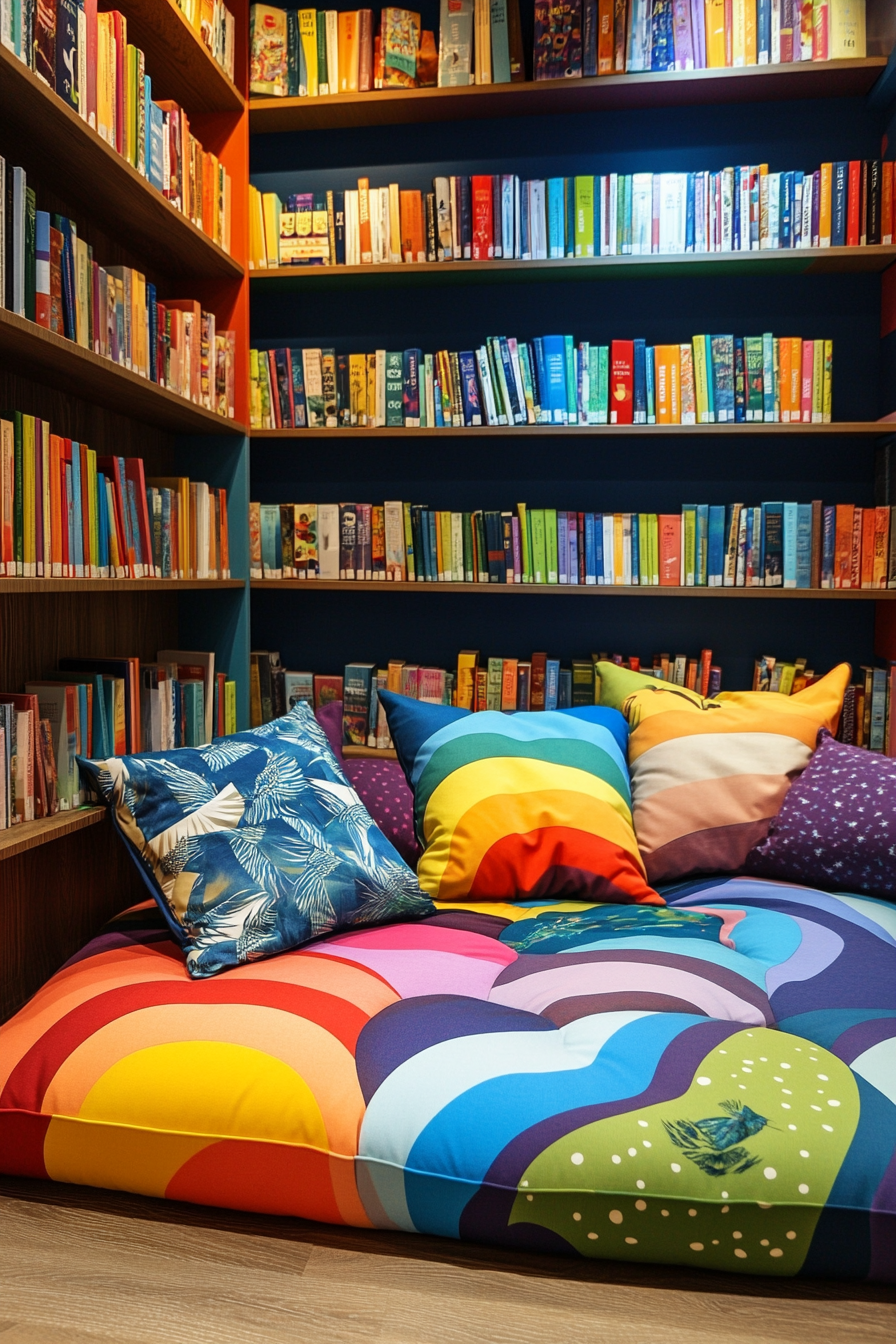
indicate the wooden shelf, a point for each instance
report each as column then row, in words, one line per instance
column 35, row 586
column 42, row 355
column 681, row 265
column 850, row 427
column 179, row 63
column 370, row 753
column 30, row 834
column 385, row 107
column 580, row 590
column 70, row 158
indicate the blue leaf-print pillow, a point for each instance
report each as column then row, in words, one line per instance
column 256, row 843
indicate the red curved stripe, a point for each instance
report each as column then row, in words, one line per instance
column 560, row 861
column 22, row 1143
column 259, row 1178
column 27, row 1084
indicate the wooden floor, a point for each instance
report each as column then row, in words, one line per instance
column 81, row 1265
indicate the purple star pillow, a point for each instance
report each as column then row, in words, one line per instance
column 837, row 824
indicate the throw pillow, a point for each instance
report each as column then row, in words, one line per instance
column 256, row 843
column 837, row 825
column 708, row 776
column 615, row 684
column 379, row 783
column 515, row 806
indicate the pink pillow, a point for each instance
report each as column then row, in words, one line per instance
column 381, row 786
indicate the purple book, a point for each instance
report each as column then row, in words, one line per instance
column 816, row 203
column 517, row 549
column 683, row 37
column 698, row 33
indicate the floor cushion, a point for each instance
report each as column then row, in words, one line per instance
column 710, row 1083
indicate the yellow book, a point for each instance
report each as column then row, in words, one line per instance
column 824, row 205
column 467, row 662
column 28, row 482
column 739, row 32
column 357, row 386
column 254, row 393
column 371, row 388
column 846, row 29
column 828, row 391
column 446, row 556
column 272, row 208
column 94, row 517
column 308, row 39
column 105, row 75
column 229, row 708
column 716, row 46
column 618, row 548
column 394, row 224
column 818, row 383
column 750, row 50
column 701, row 385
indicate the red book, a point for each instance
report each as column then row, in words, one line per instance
column 538, row 675
column 133, row 469
column 121, row 81
column 863, row 212
column 605, row 36
column 886, row 202
column 854, row 203
column 622, row 357
column 705, row 665
column 483, row 238
column 670, row 549
column 806, row 382
column 365, row 50
column 867, row 557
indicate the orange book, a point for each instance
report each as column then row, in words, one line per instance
column 867, row 552
column 824, row 205
column 349, row 51
column 605, row 36
column 784, row 379
column 881, row 546
column 508, row 685
column 668, row 384
column 843, row 546
column 670, row 549
column 413, row 244
column 855, row 556
column 364, row 238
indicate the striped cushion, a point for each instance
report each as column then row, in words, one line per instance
column 522, row 805
column 708, row 776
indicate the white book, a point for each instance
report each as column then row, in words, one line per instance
column 642, row 213
column 332, row 42
column 744, row 241
column 727, row 223
column 775, row 54
column 376, row 226
column 380, row 387
column 488, row 394
column 603, row 241
column 673, row 211
column 740, row 572
column 387, row 242
column 700, row 212
column 609, row 548
column 430, row 391
column 796, row 232
column 328, row 540
column 393, row 523
column 352, row 231
column 806, row 230
column 538, row 232
column 774, row 211
column 612, row 213
column 517, row 217
column 457, row 548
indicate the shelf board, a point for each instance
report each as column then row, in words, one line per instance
column 684, row 265
column 72, row 159
column 580, row 590
column 41, row 354
column 385, row 107
column 29, row 834
column 33, row 586
column 370, row 753
column 849, row 427
column 180, row 65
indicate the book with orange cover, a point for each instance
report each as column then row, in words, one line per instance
column 855, row 554
column 869, row 519
column 843, row 529
column 668, row 384
column 508, row 684
column 881, row 546
column 364, row 231
column 349, row 51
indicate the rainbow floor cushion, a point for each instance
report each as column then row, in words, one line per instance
column 712, row 1083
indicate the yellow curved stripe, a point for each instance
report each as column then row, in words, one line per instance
column 322, row 1061
column 451, row 861
column 138, row 1160
column 513, row 911
column 470, row 785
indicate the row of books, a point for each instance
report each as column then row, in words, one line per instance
column 307, row 53
column 550, row 380
column 865, row 719
column 216, row 28
column 48, row 274
column 85, row 57
column 848, row 203
column 775, row 544
column 103, row 707
column 67, row 513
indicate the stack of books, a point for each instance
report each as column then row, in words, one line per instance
column 549, row 380
column 103, row 707
column 49, row 276
column 67, row 513
column 85, row 57
column 847, row 203
column 771, row 545
column 215, row 26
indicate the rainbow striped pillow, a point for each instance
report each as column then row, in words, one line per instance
column 515, row 806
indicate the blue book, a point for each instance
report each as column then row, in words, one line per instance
column 338, row 221
column 411, row 361
column 723, row 378
column 650, row 380
column 469, row 388
column 500, row 42
column 828, row 535
column 67, row 51
column 797, row 230
column 569, row 360
column 517, row 413
column 155, row 152
column 590, row 560
column 554, row 350
column 639, row 382
column 564, row 690
column 556, row 212
column 769, row 388
column 773, row 544
column 691, row 214
column 804, row 546
column 736, row 245
column 102, row 526
column 662, row 47
column 716, row 546
column 589, row 38
column 543, row 400
column 598, row 547
column 152, row 312
column 636, row 549
column 571, row 217
column 70, row 514
column 786, row 211
column 764, row 31
column 551, row 683
column 740, row 381
column 791, row 515
column 166, row 534
column 702, row 547
column 839, row 203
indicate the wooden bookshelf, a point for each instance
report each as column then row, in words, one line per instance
column 852, row 428
column 66, row 155
column 576, row 590
column 683, row 265
column 390, row 107
column 41, row 354
column 180, row 65
column 30, row 834
column 370, row 753
column 34, row 587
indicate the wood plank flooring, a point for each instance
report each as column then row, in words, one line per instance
column 80, row 1266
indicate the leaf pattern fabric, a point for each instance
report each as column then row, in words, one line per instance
column 256, row 843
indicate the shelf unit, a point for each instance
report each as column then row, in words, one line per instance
column 573, row 590
column 875, row 429
column 113, row 409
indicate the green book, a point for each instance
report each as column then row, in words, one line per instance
column 550, row 544
column 394, row 389
column 522, row 514
column 654, row 553
column 539, row 554
column 322, row 72
column 644, row 570
column 30, row 253
column 493, row 684
column 194, row 713
column 689, row 521
column 481, row 547
column 499, row 382
column 584, row 218
column 753, row 360
column 469, row 576
column 603, row 384
column 571, row 398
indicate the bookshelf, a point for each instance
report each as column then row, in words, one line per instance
column 574, row 589
column 62, row 876
column 851, row 428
